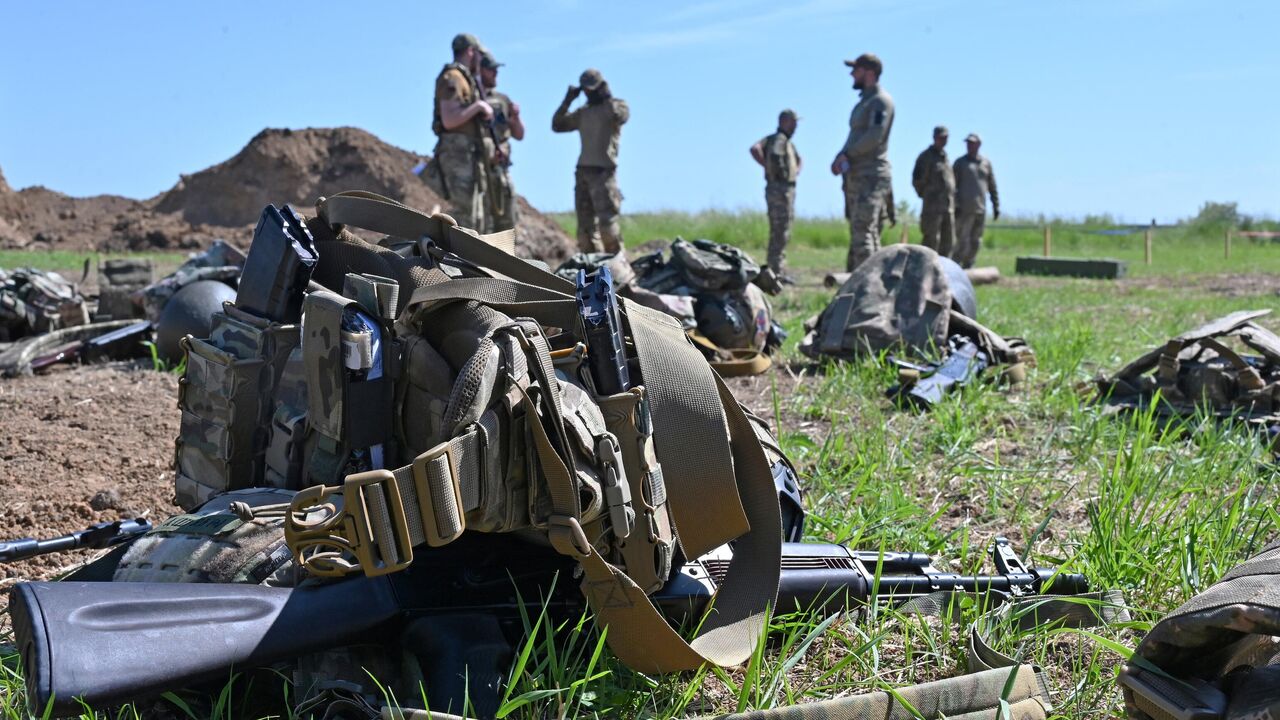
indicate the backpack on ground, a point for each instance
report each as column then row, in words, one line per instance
column 435, row 385
column 1200, row 371
column 35, row 302
column 908, row 298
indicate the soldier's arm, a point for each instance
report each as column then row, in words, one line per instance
column 799, row 163
column 563, row 120
column 757, row 152
column 454, row 114
column 621, row 112
column 877, row 131
column 955, row 174
column 515, row 122
column 995, row 195
column 918, row 179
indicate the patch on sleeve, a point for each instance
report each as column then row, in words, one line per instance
column 879, row 117
column 452, row 86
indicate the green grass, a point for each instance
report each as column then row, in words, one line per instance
column 73, row 262
column 1157, row 511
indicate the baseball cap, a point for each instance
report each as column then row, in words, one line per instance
column 488, row 61
column 462, row 41
column 788, row 113
column 973, row 137
column 940, row 130
column 866, row 60
column 591, row 79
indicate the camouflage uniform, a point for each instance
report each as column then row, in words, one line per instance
column 781, row 166
column 461, row 154
column 596, row 197
column 974, row 181
column 936, row 187
column 500, row 208
column 867, row 182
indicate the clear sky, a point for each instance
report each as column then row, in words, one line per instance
column 1141, row 109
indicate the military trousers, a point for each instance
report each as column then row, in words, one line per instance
column 969, row 227
column 501, row 212
column 865, row 198
column 780, row 202
column 461, row 163
column 598, row 202
column 937, row 225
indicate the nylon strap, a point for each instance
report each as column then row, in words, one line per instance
column 739, row 363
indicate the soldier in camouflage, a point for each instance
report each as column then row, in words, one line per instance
column 596, row 197
column 864, row 160
column 936, row 186
column 463, row 149
column 500, row 208
column 974, row 181
column 777, row 155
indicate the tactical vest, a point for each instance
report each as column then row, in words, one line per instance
column 437, row 386
column 473, row 88
column 1197, row 371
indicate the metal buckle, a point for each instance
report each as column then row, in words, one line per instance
column 326, row 545
column 426, row 501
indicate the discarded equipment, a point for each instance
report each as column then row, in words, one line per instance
column 1198, row 371
column 907, row 298
column 95, row 536
column 1101, row 268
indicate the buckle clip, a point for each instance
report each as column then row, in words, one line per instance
column 441, row 525
column 342, row 540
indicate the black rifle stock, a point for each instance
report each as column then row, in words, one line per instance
column 82, row 640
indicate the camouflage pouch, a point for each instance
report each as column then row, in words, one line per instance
column 226, row 398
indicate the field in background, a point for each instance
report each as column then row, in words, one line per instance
column 1156, row 511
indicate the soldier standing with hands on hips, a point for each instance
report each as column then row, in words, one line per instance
column 596, row 197
column 500, row 209
column 864, row 160
column 777, row 154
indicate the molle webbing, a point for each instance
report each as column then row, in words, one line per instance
column 719, row 487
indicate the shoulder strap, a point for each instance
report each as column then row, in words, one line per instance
column 732, row 363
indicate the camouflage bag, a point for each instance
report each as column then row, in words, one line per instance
column 1199, row 371
column 907, row 297
column 436, row 386
column 35, row 302
column 1216, row 656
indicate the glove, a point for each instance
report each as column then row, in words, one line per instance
column 995, row 213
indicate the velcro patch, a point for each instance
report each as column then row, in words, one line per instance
column 214, row 524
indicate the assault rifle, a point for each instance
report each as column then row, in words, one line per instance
column 927, row 386
column 95, row 536
column 459, row 609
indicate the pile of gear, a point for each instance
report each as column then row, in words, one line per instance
column 405, row 439
column 45, row 320
column 1199, row 372
column 716, row 291
column 908, row 298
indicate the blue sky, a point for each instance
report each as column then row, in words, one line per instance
column 1141, row 109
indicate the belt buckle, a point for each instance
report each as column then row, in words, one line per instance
column 426, row 499
column 327, row 545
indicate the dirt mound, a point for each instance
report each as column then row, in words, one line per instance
column 4, row 186
column 277, row 166
column 300, row 166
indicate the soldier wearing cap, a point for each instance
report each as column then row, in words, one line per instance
column 596, row 197
column 500, row 205
column 936, row 186
column 777, row 154
column 974, row 181
column 463, row 148
column 864, row 160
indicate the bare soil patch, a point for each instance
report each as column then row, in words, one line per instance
column 81, row 446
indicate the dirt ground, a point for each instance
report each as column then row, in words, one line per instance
column 83, row 445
